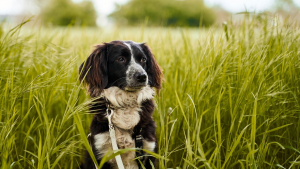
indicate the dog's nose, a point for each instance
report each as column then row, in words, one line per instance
column 141, row 77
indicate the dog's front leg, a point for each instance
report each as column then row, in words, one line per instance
column 150, row 144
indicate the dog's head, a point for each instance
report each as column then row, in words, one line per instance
column 125, row 64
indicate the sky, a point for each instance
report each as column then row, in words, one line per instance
column 105, row 7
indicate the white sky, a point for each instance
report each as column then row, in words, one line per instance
column 8, row 7
column 105, row 7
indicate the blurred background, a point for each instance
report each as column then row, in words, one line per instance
column 172, row 13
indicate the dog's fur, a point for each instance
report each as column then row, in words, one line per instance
column 123, row 75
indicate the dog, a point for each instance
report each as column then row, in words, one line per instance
column 122, row 75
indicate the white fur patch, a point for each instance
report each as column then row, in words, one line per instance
column 127, row 105
column 121, row 99
column 149, row 145
column 102, row 144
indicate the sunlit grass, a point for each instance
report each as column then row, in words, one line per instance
column 228, row 100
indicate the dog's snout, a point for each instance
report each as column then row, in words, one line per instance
column 141, row 77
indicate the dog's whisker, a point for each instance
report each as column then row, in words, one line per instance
column 122, row 78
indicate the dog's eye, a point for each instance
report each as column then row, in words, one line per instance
column 143, row 60
column 121, row 59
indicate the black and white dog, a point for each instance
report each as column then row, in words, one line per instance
column 123, row 74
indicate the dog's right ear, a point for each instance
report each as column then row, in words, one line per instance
column 153, row 70
column 93, row 72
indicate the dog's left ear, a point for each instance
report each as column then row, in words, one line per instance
column 153, row 69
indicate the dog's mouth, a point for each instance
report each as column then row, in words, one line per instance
column 134, row 88
column 126, row 85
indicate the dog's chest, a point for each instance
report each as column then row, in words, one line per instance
column 126, row 105
column 127, row 108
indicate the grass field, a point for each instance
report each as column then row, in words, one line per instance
column 230, row 99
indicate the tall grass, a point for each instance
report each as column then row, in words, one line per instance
column 230, row 98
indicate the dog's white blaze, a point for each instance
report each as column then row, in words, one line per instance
column 133, row 67
column 132, row 61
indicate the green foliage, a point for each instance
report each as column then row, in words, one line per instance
column 230, row 99
column 165, row 13
column 65, row 12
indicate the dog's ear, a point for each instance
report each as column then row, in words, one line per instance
column 93, row 72
column 153, row 69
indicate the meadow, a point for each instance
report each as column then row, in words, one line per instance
column 230, row 96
